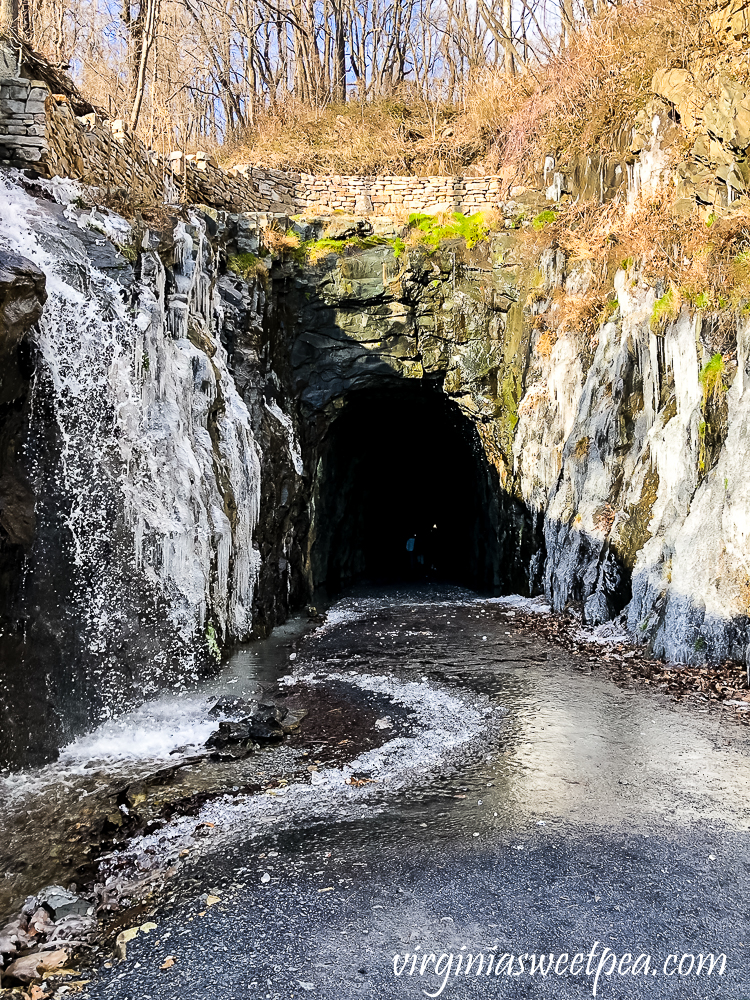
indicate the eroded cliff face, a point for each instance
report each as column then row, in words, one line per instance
column 203, row 452
column 614, row 478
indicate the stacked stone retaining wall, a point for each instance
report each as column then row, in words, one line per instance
column 40, row 129
column 23, row 122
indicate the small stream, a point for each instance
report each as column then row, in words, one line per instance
column 43, row 808
column 492, row 736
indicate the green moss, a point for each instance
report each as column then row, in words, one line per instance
column 701, row 300
column 316, row 250
column 471, row 228
column 243, row 264
column 211, row 641
column 712, row 380
column 130, row 252
column 509, row 396
column 666, row 309
column 543, row 219
column 607, row 311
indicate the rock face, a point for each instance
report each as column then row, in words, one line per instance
column 214, row 437
column 22, row 296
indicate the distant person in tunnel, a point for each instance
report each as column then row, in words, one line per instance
column 411, row 544
column 419, row 555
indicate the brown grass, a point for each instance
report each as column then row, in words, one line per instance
column 387, row 136
column 705, row 263
column 583, row 99
column 279, row 241
column 546, row 343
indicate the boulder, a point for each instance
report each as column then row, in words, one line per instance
column 597, row 609
column 30, row 967
column 677, row 86
column 59, row 903
column 732, row 19
column 345, row 227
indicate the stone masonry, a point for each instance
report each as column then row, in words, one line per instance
column 39, row 129
column 23, row 122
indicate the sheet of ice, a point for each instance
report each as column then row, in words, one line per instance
column 446, row 729
column 286, row 422
column 352, row 609
column 157, row 445
column 531, row 605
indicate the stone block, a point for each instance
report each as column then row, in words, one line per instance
column 30, row 154
column 14, row 92
column 9, row 106
column 30, row 141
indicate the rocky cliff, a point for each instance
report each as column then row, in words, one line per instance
column 189, row 431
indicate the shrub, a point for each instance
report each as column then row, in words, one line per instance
column 712, row 380
column 543, row 219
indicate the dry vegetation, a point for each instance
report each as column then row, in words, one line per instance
column 414, row 86
column 579, row 99
column 702, row 262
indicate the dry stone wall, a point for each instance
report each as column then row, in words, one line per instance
column 387, row 194
column 40, row 129
column 23, row 122
column 103, row 155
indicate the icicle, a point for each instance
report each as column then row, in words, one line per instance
column 157, row 445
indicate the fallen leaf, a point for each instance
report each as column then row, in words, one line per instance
column 121, row 943
column 212, row 900
column 168, row 962
column 53, row 960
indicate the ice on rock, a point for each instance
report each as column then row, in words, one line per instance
column 156, row 443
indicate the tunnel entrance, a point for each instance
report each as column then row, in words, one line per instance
column 404, row 463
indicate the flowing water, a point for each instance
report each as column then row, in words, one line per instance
column 522, row 797
column 492, row 733
column 43, row 808
column 141, row 455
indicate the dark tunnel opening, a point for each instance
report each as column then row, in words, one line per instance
column 404, row 463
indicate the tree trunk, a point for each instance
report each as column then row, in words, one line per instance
column 148, row 18
column 9, row 18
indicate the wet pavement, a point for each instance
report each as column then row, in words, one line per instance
column 523, row 805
